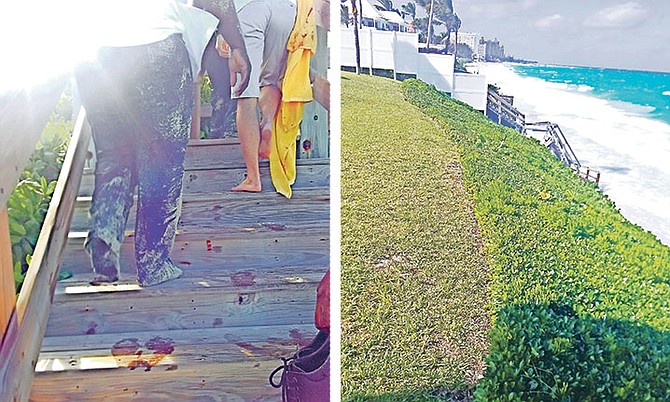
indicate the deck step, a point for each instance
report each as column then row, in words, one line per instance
column 200, row 299
column 236, row 211
column 207, row 308
column 201, row 179
column 221, row 251
column 191, row 365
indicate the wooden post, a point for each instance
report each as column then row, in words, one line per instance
column 314, row 126
column 197, row 108
column 7, row 289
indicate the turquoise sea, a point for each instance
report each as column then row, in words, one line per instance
column 648, row 89
column 617, row 121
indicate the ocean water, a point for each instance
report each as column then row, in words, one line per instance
column 617, row 121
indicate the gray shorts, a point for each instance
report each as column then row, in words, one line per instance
column 266, row 26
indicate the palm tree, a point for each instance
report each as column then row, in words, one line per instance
column 437, row 11
column 453, row 24
column 344, row 15
column 409, row 9
column 354, row 11
column 385, row 5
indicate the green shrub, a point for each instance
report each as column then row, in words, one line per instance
column 552, row 238
column 206, row 92
column 551, row 353
column 28, row 203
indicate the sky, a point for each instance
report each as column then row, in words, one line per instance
column 601, row 33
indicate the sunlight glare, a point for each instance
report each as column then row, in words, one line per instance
column 42, row 40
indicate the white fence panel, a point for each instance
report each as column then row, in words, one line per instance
column 437, row 69
column 347, row 47
column 471, row 89
column 383, row 44
column 407, row 53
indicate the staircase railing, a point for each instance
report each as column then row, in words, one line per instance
column 23, row 323
column 555, row 140
column 503, row 112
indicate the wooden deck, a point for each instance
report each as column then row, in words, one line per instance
column 251, row 266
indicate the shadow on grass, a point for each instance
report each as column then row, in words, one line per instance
column 547, row 352
column 414, row 396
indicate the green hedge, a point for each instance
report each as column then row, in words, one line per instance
column 549, row 352
column 552, row 238
column 27, row 205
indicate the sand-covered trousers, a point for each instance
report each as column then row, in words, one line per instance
column 138, row 101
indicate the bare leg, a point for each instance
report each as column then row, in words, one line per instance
column 249, row 134
column 268, row 102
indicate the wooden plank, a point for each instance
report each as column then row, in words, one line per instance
column 214, row 154
column 108, row 357
column 141, row 310
column 19, row 352
column 205, row 179
column 7, row 289
column 237, row 211
column 196, row 278
column 240, row 381
column 22, row 118
column 311, row 248
column 295, row 334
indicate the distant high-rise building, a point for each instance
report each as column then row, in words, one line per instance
column 471, row 39
column 490, row 50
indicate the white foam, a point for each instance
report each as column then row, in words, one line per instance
column 666, row 93
column 631, row 150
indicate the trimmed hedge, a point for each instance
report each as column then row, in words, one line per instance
column 553, row 239
column 549, row 352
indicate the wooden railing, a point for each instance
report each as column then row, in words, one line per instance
column 502, row 112
column 24, row 322
column 555, row 140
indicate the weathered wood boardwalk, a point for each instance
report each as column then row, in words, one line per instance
column 251, row 266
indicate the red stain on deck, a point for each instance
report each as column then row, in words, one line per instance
column 209, row 245
column 243, row 278
column 299, row 337
column 160, row 345
column 184, row 263
column 91, row 328
column 218, row 322
column 130, row 348
column 275, row 226
column 125, row 347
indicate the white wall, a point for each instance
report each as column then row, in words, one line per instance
column 399, row 51
column 471, row 89
column 436, row 69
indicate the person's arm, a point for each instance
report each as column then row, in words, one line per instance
column 229, row 28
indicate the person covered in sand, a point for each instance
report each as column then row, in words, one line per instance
column 138, row 96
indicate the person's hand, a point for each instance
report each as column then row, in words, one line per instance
column 222, row 47
column 239, row 63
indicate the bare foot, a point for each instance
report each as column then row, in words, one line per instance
column 265, row 146
column 247, row 186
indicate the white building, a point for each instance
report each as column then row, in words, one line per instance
column 471, row 39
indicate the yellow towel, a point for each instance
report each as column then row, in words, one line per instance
column 296, row 91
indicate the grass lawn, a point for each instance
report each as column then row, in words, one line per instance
column 414, row 275
column 464, row 242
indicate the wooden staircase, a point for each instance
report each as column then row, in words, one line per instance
column 251, row 266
